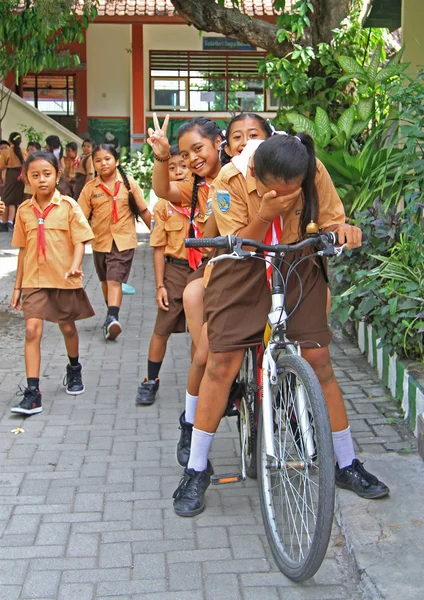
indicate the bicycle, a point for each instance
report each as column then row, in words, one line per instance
column 284, row 408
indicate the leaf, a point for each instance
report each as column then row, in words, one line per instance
column 350, row 66
column 346, row 120
column 301, row 123
column 358, row 127
column 365, row 108
column 374, row 64
column 322, row 127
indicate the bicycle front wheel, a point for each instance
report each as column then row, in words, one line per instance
column 297, row 489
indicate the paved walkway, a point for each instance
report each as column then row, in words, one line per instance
column 85, row 493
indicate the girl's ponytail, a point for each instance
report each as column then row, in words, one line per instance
column 310, row 204
column 197, row 180
column 16, row 140
column 131, row 200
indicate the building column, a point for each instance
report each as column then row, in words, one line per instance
column 138, row 136
column 81, row 91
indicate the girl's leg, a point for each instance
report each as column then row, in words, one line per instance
column 33, row 333
column 193, row 308
column 112, row 327
column 74, row 384
column 198, row 365
column 11, row 214
column 146, row 392
column 157, row 348
column 104, row 290
column 114, row 293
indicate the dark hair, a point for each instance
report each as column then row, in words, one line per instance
column 131, row 200
column 285, row 157
column 16, row 140
column 264, row 125
column 89, row 141
column 73, row 146
column 174, row 150
column 36, row 145
column 208, row 129
column 42, row 155
column 54, row 143
column 4, row 142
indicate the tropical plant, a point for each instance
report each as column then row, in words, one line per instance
column 32, row 134
column 139, row 165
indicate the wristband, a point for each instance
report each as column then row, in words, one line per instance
column 262, row 219
column 159, row 159
column 160, row 286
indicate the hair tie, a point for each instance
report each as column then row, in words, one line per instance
column 298, row 138
column 274, row 131
column 223, row 133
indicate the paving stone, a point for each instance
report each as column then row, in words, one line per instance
column 83, row 544
column 97, row 575
column 115, row 555
column 72, row 591
column 222, row 587
column 53, row 533
column 149, row 566
column 40, row 584
column 187, row 576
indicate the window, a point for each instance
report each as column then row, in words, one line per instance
column 51, row 94
column 206, row 81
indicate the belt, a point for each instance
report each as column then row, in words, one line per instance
column 176, row 261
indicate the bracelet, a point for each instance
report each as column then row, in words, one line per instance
column 263, row 220
column 160, row 286
column 159, row 159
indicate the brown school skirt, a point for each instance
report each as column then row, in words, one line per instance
column 113, row 265
column 173, row 320
column 13, row 193
column 198, row 273
column 237, row 302
column 56, row 305
column 79, row 183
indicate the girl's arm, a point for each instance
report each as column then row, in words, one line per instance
column 162, row 187
column 16, row 296
column 147, row 217
column 75, row 269
column 159, row 266
column 89, row 169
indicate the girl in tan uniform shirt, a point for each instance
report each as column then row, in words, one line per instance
column 283, row 180
column 112, row 202
column 13, row 161
column 50, row 233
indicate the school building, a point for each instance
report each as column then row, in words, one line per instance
column 139, row 57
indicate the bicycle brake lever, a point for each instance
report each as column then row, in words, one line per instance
column 234, row 255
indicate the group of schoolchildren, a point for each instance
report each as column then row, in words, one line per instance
column 272, row 182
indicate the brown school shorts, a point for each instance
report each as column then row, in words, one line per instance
column 13, row 192
column 56, row 305
column 113, row 265
column 173, row 320
column 198, row 273
column 237, row 302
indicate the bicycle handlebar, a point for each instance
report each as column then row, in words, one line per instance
column 229, row 242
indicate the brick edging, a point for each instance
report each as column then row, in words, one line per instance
column 393, row 372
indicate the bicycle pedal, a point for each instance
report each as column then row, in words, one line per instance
column 225, row 478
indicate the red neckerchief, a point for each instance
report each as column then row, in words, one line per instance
column 194, row 255
column 272, row 236
column 41, row 240
column 113, row 194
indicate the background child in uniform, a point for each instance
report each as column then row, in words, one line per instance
column 54, row 145
column 84, row 170
column 112, row 201
column 50, row 232
column 170, row 224
column 283, row 181
column 4, row 145
column 71, row 161
column 13, row 193
column 31, row 147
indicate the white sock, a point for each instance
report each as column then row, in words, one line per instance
column 343, row 448
column 201, row 442
column 11, row 222
column 190, row 407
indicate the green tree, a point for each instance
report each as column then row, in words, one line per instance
column 33, row 34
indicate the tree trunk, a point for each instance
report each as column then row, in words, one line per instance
column 207, row 15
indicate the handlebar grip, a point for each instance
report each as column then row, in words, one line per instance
column 332, row 237
column 218, row 242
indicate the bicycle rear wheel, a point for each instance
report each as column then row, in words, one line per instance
column 297, row 490
column 247, row 419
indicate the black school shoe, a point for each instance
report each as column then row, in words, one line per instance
column 189, row 497
column 146, row 393
column 111, row 328
column 184, row 443
column 358, row 480
column 30, row 404
column 73, row 380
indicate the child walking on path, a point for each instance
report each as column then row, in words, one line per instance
column 50, row 232
column 112, row 201
column 170, row 224
column 84, row 170
column 13, row 193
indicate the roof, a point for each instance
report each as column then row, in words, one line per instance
column 162, row 8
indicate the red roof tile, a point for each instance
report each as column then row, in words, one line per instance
column 162, row 8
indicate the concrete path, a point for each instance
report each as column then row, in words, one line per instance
column 85, row 493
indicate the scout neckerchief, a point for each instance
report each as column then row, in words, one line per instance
column 272, row 236
column 194, row 255
column 41, row 239
column 114, row 195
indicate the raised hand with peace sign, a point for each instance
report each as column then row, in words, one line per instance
column 157, row 139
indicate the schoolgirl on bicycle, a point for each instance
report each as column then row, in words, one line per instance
column 284, row 188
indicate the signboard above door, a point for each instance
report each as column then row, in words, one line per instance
column 224, row 43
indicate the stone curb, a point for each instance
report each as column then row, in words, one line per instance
column 394, row 373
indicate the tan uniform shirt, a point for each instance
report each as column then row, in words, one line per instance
column 235, row 203
column 97, row 203
column 186, row 191
column 64, row 227
column 85, row 165
column 9, row 160
column 169, row 230
column 70, row 167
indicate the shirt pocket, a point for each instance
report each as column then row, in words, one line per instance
column 57, row 221
column 174, row 234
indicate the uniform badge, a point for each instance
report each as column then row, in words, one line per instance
column 223, row 199
column 152, row 224
column 170, row 212
column 209, row 210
